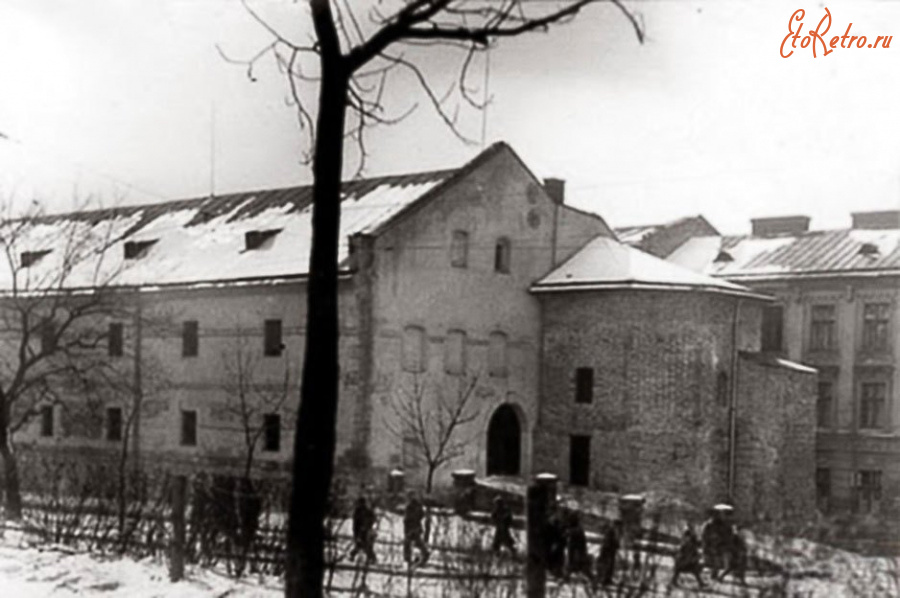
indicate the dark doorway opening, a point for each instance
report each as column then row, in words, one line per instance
column 579, row 460
column 504, row 442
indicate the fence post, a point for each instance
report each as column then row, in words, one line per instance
column 463, row 491
column 541, row 494
column 176, row 550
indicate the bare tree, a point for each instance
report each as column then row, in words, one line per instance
column 432, row 421
column 56, row 297
column 348, row 61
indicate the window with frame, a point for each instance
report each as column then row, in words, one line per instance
column 772, row 328
column 188, row 427
column 190, row 338
column 47, row 421
column 459, row 249
column 584, row 385
column 823, row 328
column 114, row 424
column 455, row 352
column 502, row 255
column 871, row 405
column 413, row 349
column 876, row 327
column 579, row 460
column 825, row 404
column 823, row 487
column 115, row 339
column 271, row 432
column 273, row 344
column 498, row 355
column 868, row 491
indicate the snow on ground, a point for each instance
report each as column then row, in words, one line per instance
column 55, row 571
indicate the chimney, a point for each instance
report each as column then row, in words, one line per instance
column 876, row 220
column 556, row 189
column 779, row 225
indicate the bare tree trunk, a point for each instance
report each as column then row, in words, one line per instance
column 314, row 443
column 10, row 476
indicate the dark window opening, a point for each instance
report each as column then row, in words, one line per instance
column 114, row 424
column 272, row 432
column 188, row 428
column 772, row 327
column 273, row 344
column 504, row 442
column 822, row 332
column 115, row 339
column 868, row 491
column 259, row 239
column 823, row 488
column 871, row 405
column 30, row 258
column 579, row 460
column 459, row 249
column 502, row 255
column 48, row 336
column 190, row 341
column 825, row 404
column 135, row 250
column 584, row 385
column 47, row 421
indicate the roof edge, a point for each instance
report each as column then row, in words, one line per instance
column 643, row 286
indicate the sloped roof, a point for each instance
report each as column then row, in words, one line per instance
column 809, row 254
column 662, row 239
column 201, row 240
column 606, row 264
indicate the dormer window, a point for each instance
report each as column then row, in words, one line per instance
column 723, row 258
column 29, row 258
column 868, row 249
column 259, row 239
column 135, row 250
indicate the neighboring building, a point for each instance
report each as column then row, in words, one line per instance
column 652, row 378
column 837, row 309
column 475, row 280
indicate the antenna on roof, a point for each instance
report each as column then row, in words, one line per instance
column 212, row 148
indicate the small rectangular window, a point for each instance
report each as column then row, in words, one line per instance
column 502, row 251
column 48, row 336
column 188, row 427
column 876, row 327
column 115, row 339
column 29, row 258
column 455, row 352
column 825, row 404
column 135, row 250
column 498, row 358
column 868, row 491
column 114, row 424
column 273, row 343
column 47, row 421
column 190, row 339
column 413, row 349
column 272, row 432
column 579, row 460
column 822, row 333
column 871, row 405
column 772, row 326
column 259, row 239
column 459, row 249
column 584, row 385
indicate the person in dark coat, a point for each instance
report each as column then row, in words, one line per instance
column 501, row 516
column 579, row 561
column 555, row 543
column 714, row 539
column 687, row 558
column 363, row 529
column 609, row 549
column 413, row 530
column 737, row 557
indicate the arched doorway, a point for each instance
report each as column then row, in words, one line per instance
column 504, row 442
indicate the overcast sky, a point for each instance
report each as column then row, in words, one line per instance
column 115, row 97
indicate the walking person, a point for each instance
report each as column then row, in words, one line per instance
column 687, row 558
column 501, row 516
column 555, row 543
column 363, row 530
column 713, row 537
column 413, row 530
column 609, row 549
column 578, row 560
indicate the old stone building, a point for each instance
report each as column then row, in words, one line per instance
column 836, row 309
column 475, row 285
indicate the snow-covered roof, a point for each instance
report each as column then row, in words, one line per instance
column 200, row 240
column 606, row 264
